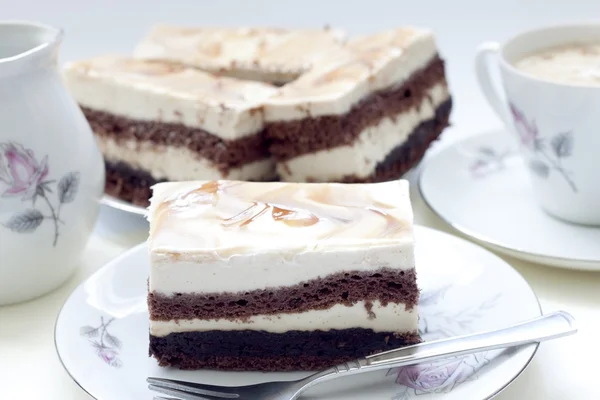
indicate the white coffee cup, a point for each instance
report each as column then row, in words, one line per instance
column 558, row 124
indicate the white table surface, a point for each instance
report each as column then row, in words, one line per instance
column 562, row 369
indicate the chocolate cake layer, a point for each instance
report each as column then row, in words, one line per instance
column 404, row 157
column 224, row 154
column 293, row 138
column 258, row 350
column 128, row 184
column 385, row 285
column 133, row 185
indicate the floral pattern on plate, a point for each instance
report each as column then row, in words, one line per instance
column 444, row 375
column 107, row 346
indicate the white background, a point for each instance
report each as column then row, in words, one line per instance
column 565, row 369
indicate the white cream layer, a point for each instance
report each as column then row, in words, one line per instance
column 186, row 273
column 370, row 148
column 151, row 91
column 177, row 163
column 391, row 318
column 366, row 64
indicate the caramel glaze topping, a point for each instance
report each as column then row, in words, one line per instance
column 216, row 213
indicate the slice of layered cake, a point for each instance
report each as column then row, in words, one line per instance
column 165, row 122
column 366, row 113
column 279, row 276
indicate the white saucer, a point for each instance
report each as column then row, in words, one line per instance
column 102, row 331
column 481, row 188
column 122, row 205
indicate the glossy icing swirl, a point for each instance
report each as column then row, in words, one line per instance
column 231, row 217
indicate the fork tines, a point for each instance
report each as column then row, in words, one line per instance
column 189, row 391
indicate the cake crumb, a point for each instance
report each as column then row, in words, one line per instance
column 369, row 308
column 286, row 168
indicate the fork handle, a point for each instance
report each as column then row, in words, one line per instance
column 547, row 327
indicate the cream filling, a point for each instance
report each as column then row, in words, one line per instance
column 370, row 148
column 172, row 273
column 177, row 163
column 392, row 318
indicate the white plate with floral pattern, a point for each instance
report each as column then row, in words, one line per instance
column 480, row 186
column 102, row 331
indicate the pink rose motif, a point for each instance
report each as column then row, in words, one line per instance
column 108, row 355
column 435, row 377
column 20, row 171
column 477, row 168
column 528, row 131
column 107, row 346
column 21, row 175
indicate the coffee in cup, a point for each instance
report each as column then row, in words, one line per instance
column 574, row 64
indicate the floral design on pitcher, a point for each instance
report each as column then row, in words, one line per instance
column 107, row 346
column 547, row 154
column 444, row 375
column 22, row 175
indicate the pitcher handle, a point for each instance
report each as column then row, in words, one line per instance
column 491, row 91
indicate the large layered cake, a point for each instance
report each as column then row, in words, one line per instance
column 263, row 104
column 279, row 276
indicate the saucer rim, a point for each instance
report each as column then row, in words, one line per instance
column 580, row 264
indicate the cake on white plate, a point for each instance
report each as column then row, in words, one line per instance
column 279, row 276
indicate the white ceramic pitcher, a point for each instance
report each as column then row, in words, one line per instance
column 51, row 172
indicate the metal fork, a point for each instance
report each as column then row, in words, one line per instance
column 547, row 327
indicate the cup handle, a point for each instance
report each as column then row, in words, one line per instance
column 491, row 91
